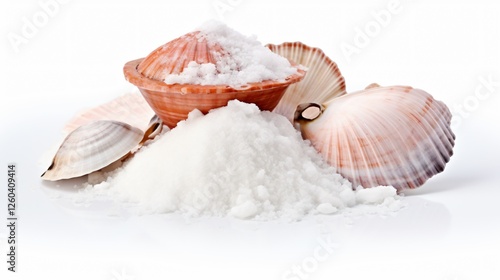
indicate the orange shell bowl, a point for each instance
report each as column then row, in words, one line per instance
column 172, row 103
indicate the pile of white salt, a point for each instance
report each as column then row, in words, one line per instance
column 236, row 161
column 243, row 60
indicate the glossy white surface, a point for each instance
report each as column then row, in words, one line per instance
column 448, row 231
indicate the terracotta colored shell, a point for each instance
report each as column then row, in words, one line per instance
column 92, row 147
column 173, row 102
column 322, row 82
column 397, row 136
column 174, row 56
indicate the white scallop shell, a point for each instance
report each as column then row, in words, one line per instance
column 130, row 108
column 92, row 147
column 397, row 136
column 322, row 82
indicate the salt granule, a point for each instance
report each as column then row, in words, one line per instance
column 245, row 60
column 375, row 196
column 235, row 161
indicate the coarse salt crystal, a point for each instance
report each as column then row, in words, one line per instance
column 236, row 161
column 326, row 208
column 374, row 195
column 246, row 61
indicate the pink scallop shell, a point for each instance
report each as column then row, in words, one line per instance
column 397, row 136
column 129, row 108
column 323, row 81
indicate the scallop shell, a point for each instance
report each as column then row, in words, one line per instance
column 174, row 56
column 322, row 82
column 129, row 108
column 173, row 102
column 397, row 136
column 91, row 147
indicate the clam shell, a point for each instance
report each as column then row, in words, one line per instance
column 155, row 127
column 92, row 147
column 129, row 108
column 322, row 82
column 397, row 136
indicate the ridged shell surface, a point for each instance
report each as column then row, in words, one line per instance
column 174, row 56
column 322, row 82
column 129, row 108
column 91, row 147
column 397, row 136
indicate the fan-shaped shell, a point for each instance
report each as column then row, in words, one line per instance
column 397, row 136
column 175, row 55
column 322, row 82
column 172, row 102
column 129, row 108
column 91, row 147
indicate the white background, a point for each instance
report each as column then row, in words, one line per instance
column 73, row 59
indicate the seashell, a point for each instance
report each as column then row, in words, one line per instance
column 397, row 135
column 130, row 108
column 155, row 127
column 173, row 102
column 322, row 82
column 181, row 51
column 92, row 147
